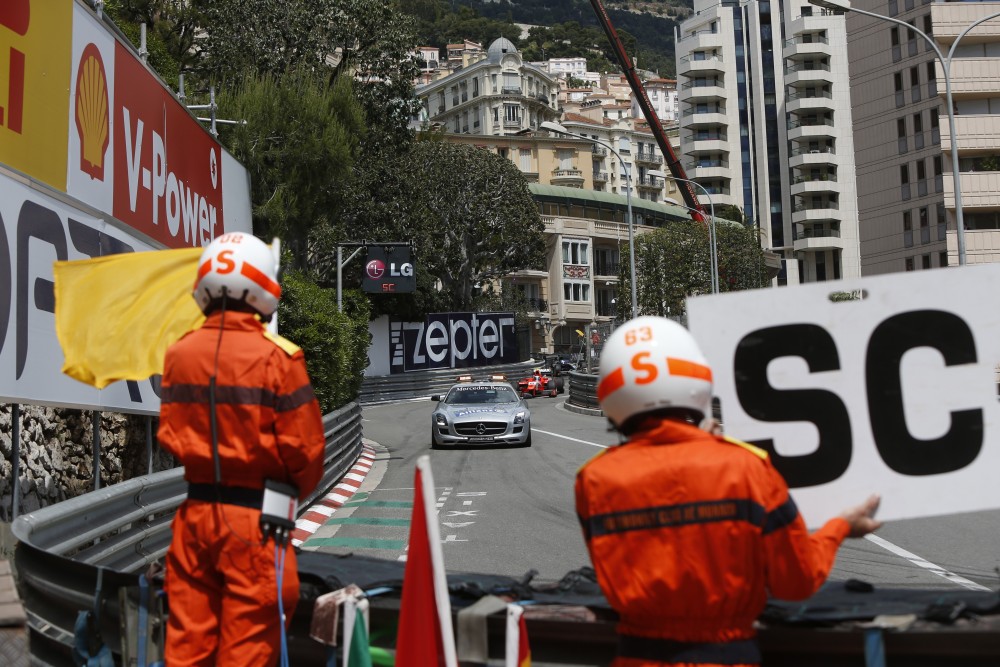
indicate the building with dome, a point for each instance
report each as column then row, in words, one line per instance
column 499, row 94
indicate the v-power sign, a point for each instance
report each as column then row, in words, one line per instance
column 891, row 390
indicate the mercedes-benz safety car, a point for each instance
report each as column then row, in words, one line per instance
column 480, row 412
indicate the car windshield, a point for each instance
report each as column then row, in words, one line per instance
column 480, row 394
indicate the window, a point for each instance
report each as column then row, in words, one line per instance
column 511, row 113
column 897, row 80
column 928, row 25
column 942, row 259
column 921, row 170
column 904, row 174
column 894, row 35
column 907, row 221
column 914, row 76
column 901, row 128
column 909, row 263
column 935, row 119
column 565, row 157
column 526, row 159
column 576, row 291
column 575, row 252
column 918, row 122
column 931, row 71
column 925, row 261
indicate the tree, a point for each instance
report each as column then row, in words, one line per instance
column 470, row 215
column 673, row 263
column 298, row 145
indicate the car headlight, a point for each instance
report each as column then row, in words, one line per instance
column 519, row 417
column 440, row 419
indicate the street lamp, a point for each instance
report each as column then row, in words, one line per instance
column 559, row 129
column 845, row 6
column 714, row 259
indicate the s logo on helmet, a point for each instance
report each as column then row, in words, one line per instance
column 375, row 269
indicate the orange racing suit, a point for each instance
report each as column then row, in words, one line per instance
column 221, row 581
column 688, row 533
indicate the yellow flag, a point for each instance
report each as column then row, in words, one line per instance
column 117, row 315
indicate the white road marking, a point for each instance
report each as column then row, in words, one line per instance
column 931, row 567
column 566, row 437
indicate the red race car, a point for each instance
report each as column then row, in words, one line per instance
column 537, row 384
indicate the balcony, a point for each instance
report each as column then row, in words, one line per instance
column 803, row 156
column 510, row 90
column 701, row 39
column 950, row 19
column 605, row 269
column 819, row 128
column 648, row 157
column 648, row 182
column 799, row 100
column 802, row 185
column 807, row 72
column 569, row 177
column 600, row 177
column 708, row 142
column 808, row 212
column 703, row 117
column 979, row 189
column 599, row 153
column 817, row 238
column 709, row 169
column 975, row 132
column 536, row 305
column 806, row 45
column 707, row 64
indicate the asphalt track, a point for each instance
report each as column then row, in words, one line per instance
column 510, row 510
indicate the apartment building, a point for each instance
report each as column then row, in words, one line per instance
column 498, row 94
column 581, row 192
column 905, row 174
column 766, row 125
column 662, row 94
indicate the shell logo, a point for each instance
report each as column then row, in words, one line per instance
column 92, row 112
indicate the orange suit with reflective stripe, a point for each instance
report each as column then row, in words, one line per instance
column 221, row 582
column 689, row 533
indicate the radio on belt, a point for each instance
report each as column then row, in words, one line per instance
column 278, row 510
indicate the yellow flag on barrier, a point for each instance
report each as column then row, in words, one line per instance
column 117, row 315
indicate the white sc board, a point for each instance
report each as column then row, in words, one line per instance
column 885, row 384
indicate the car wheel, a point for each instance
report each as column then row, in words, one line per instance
column 434, row 444
column 560, row 386
column 527, row 443
column 553, row 393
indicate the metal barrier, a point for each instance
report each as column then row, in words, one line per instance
column 583, row 391
column 418, row 384
column 102, row 541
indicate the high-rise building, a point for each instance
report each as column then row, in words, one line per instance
column 905, row 174
column 765, row 125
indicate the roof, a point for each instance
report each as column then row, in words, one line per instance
column 560, row 192
column 570, row 117
column 499, row 47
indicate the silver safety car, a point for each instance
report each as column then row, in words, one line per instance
column 480, row 412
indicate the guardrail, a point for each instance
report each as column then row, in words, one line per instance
column 583, row 391
column 419, row 384
column 98, row 543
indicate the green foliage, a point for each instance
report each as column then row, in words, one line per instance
column 673, row 263
column 169, row 34
column 298, row 144
column 335, row 344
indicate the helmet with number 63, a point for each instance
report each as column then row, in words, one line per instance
column 242, row 267
column 652, row 364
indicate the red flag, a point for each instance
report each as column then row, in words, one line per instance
column 425, row 634
column 518, row 652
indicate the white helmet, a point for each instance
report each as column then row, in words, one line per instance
column 649, row 364
column 241, row 266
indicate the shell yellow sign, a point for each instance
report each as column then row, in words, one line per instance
column 35, row 39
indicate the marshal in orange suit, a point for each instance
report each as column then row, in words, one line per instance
column 237, row 408
column 690, row 532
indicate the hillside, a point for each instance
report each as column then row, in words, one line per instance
column 646, row 26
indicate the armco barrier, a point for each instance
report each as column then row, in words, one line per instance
column 421, row 384
column 101, row 541
column 583, row 393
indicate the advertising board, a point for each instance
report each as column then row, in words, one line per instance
column 452, row 340
column 892, row 389
column 97, row 156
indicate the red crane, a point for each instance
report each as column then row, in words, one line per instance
column 687, row 190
